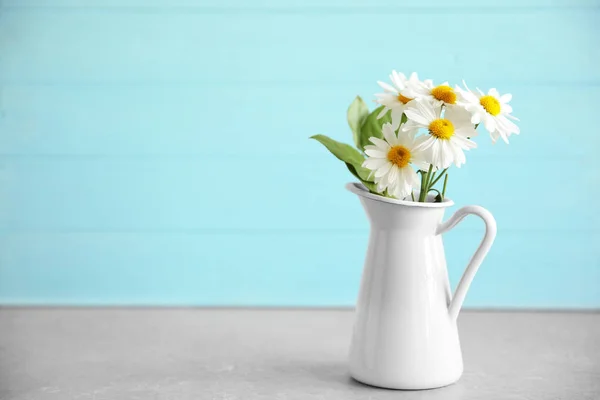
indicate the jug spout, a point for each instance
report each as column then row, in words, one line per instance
column 392, row 214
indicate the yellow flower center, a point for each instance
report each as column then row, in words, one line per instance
column 403, row 99
column 399, row 155
column 491, row 104
column 444, row 93
column 441, row 128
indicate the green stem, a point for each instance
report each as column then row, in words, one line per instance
column 425, row 184
column 431, row 178
column 422, row 183
column 412, row 195
column 444, row 188
column 435, row 190
column 438, row 178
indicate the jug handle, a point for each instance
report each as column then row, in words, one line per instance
column 486, row 243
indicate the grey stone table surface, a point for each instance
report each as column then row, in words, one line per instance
column 181, row 354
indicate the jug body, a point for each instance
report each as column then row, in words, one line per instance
column 404, row 336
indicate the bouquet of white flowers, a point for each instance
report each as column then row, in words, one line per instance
column 418, row 125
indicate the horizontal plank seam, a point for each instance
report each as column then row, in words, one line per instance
column 268, row 232
column 11, row 306
column 75, row 157
column 276, row 84
column 303, row 10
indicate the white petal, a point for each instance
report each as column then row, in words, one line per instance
column 398, row 79
column 387, row 87
column 397, row 117
column 375, row 153
column 435, row 155
column 445, row 153
column 505, row 124
column 388, row 100
column 407, row 138
column 412, row 125
column 413, row 178
column 503, row 135
column 463, row 142
column 382, row 144
column 383, row 112
column 405, row 182
column 465, row 85
column 459, row 156
column 419, row 159
column 429, row 111
column 383, row 170
column 374, row 163
column 494, row 135
column 425, row 143
column 388, row 134
column 392, row 175
column 399, row 186
column 458, row 116
column 372, row 146
column 416, row 90
column 420, row 112
column 503, row 130
column 466, row 131
column 490, row 123
column 505, row 98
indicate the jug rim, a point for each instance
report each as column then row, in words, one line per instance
column 360, row 190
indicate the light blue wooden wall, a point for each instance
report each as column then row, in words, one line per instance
column 156, row 152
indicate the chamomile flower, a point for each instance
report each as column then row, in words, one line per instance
column 392, row 99
column 390, row 160
column 437, row 95
column 447, row 136
column 491, row 109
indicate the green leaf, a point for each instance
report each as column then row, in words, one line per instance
column 371, row 186
column 372, row 127
column 353, row 170
column 357, row 113
column 403, row 119
column 361, row 173
column 368, row 184
column 342, row 151
column 351, row 157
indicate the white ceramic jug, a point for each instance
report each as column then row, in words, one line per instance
column 405, row 334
